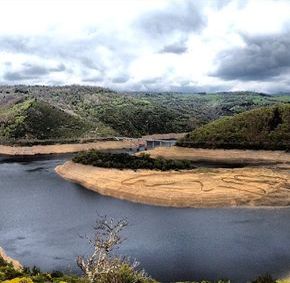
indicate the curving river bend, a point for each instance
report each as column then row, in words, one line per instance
column 42, row 216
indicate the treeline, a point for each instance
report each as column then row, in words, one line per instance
column 126, row 161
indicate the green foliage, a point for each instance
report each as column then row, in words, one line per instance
column 95, row 111
column 267, row 278
column 126, row 161
column 126, row 274
column 9, row 274
column 263, row 128
column 33, row 119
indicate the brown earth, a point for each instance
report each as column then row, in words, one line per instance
column 15, row 263
column 65, row 148
column 193, row 188
column 221, row 155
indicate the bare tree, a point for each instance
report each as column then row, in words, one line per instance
column 102, row 263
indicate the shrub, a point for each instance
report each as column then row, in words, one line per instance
column 126, row 161
column 266, row 278
column 102, row 265
column 19, row 280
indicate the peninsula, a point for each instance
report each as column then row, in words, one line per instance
column 205, row 187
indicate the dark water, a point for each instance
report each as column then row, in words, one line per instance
column 41, row 217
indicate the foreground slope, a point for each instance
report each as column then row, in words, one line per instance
column 264, row 128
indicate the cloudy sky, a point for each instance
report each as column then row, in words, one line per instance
column 178, row 45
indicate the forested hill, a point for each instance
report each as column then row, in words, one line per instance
column 263, row 128
column 94, row 111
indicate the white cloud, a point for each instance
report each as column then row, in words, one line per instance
column 135, row 44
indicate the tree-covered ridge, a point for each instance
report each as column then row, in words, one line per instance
column 137, row 114
column 36, row 119
column 263, row 128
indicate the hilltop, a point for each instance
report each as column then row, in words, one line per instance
column 33, row 119
column 263, row 128
column 95, row 111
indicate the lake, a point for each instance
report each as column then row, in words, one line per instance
column 42, row 217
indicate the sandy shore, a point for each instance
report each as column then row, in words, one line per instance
column 15, row 263
column 221, row 155
column 64, row 148
column 194, row 188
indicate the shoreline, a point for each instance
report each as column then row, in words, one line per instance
column 64, row 148
column 229, row 156
column 211, row 188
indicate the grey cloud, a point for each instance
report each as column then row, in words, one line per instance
column 264, row 57
column 176, row 48
column 93, row 79
column 120, row 79
column 179, row 16
column 151, row 81
column 83, row 53
column 30, row 71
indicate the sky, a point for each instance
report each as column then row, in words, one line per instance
column 147, row 45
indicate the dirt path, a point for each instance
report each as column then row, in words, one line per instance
column 220, row 155
column 194, row 188
column 64, row 148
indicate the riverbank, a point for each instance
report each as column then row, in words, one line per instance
column 194, row 188
column 229, row 156
column 65, row 148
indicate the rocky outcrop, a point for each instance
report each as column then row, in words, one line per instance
column 15, row 263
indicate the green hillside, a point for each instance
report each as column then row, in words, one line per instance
column 32, row 119
column 263, row 128
column 136, row 114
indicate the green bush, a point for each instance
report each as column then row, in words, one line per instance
column 266, row 278
column 126, row 161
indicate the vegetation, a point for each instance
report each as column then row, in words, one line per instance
column 9, row 274
column 95, row 111
column 33, row 119
column 102, row 266
column 267, row 278
column 127, row 161
column 263, row 128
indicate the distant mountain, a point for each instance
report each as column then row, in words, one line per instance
column 263, row 128
column 103, row 112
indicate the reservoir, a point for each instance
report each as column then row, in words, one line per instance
column 43, row 216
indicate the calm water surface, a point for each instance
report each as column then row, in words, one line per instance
column 42, row 216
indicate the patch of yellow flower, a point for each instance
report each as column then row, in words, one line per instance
column 19, row 280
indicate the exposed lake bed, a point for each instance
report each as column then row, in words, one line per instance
column 43, row 216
